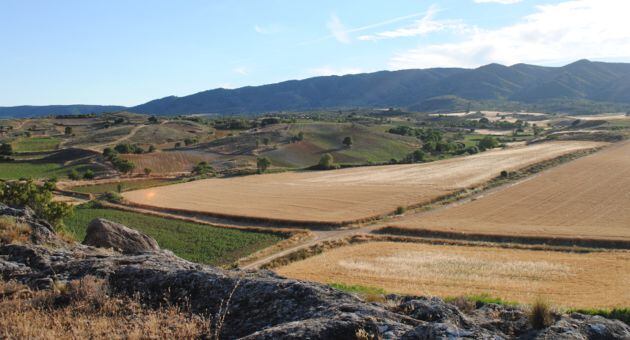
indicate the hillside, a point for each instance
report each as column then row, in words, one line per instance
column 38, row 111
column 583, row 86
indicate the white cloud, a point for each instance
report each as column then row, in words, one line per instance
column 504, row 2
column 556, row 33
column 241, row 70
column 427, row 24
column 337, row 29
column 329, row 71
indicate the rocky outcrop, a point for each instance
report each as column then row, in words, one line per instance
column 102, row 233
column 262, row 305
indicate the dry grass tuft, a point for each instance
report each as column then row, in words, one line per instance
column 12, row 231
column 540, row 314
column 83, row 309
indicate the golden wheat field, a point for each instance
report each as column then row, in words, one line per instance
column 598, row 279
column 586, row 198
column 347, row 194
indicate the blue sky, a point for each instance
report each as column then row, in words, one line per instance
column 129, row 52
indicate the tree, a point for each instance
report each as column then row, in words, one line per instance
column 74, row 175
column 326, row 162
column 266, row 141
column 347, row 142
column 416, row 156
column 89, row 174
column 124, row 166
column 190, row 141
column 488, row 142
column 37, row 197
column 178, row 145
column 151, row 148
column 147, row 172
column 119, row 187
column 153, row 120
column 203, row 168
column 67, row 131
column 263, row 163
column 6, row 149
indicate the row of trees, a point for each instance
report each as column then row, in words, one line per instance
column 122, row 165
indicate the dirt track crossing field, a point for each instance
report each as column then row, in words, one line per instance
column 591, row 280
column 587, row 198
column 348, row 194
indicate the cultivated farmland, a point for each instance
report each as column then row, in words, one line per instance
column 565, row 279
column 588, row 198
column 348, row 194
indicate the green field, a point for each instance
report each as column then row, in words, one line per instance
column 126, row 186
column 370, row 144
column 194, row 242
column 17, row 170
column 35, row 144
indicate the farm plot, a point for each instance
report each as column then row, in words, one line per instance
column 591, row 280
column 587, row 198
column 347, row 195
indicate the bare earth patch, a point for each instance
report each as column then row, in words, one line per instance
column 347, row 194
column 587, row 198
column 565, row 279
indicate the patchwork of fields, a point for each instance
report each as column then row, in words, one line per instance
column 348, row 194
column 590, row 280
column 586, row 198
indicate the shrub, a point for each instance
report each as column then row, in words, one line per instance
column 147, row 172
column 37, row 197
column 89, row 174
column 488, row 142
column 504, row 174
column 262, row 163
column 74, row 175
column 113, row 197
column 400, row 210
column 326, row 162
column 347, row 142
column 202, row 168
column 6, row 149
column 540, row 314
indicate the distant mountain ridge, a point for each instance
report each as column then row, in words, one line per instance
column 582, row 86
column 38, row 111
column 579, row 83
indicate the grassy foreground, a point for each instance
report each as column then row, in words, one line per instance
column 194, row 242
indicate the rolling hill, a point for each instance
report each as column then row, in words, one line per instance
column 580, row 87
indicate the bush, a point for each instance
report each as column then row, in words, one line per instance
column 400, row 210
column 113, row 197
column 89, row 174
column 488, row 142
column 37, row 197
column 6, row 149
column 540, row 314
column 74, row 175
column 505, row 174
column 262, row 163
column 203, row 168
column 326, row 162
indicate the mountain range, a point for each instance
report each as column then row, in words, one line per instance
column 579, row 87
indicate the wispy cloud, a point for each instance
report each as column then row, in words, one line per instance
column 241, row 70
column 427, row 24
column 503, row 2
column 342, row 34
column 337, row 29
column 552, row 34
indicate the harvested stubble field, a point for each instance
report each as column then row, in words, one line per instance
column 587, row 280
column 588, row 198
column 346, row 195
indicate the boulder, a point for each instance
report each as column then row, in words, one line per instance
column 103, row 233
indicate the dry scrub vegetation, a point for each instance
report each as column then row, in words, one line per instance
column 586, row 198
column 349, row 194
column 597, row 279
column 83, row 310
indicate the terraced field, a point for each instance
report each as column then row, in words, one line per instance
column 588, row 198
column 591, row 280
column 345, row 195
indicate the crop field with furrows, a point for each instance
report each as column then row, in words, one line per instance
column 349, row 194
column 167, row 133
column 170, row 162
column 588, row 198
column 191, row 241
column 587, row 280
